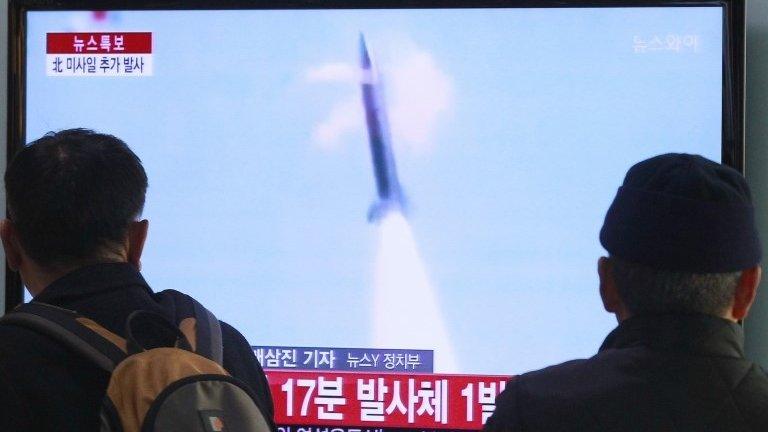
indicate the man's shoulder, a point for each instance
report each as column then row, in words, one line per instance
column 559, row 371
column 232, row 334
column 558, row 383
column 241, row 362
column 630, row 388
column 22, row 345
column 34, row 370
column 750, row 394
column 578, row 394
column 237, row 349
column 544, row 399
column 27, row 350
column 10, row 332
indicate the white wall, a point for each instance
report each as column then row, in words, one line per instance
column 756, row 327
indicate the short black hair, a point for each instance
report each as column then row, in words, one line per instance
column 73, row 193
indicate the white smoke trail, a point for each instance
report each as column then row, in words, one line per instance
column 406, row 312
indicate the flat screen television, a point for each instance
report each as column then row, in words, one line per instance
column 396, row 202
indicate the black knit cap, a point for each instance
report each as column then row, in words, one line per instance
column 683, row 212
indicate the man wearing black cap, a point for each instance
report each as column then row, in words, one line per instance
column 683, row 269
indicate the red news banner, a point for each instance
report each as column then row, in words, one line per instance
column 99, row 54
column 353, row 401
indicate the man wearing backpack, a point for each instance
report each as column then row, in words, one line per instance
column 75, row 236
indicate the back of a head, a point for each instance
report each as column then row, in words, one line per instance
column 680, row 231
column 72, row 195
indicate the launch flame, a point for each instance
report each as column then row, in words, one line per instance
column 406, row 312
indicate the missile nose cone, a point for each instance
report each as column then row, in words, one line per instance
column 365, row 59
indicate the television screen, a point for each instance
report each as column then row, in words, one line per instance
column 398, row 208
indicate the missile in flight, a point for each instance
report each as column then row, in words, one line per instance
column 390, row 194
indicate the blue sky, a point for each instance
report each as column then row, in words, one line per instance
column 512, row 131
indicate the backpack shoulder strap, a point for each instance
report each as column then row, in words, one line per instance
column 209, row 334
column 77, row 333
column 199, row 325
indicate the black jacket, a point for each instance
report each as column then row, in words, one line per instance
column 662, row 373
column 45, row 387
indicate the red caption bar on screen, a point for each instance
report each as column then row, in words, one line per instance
column 123, row 54
column 99, row 43
column 416, row 401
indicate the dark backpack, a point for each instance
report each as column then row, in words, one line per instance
column 165, row 377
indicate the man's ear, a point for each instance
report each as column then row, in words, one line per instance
column 11, row 244
column 137, row 236
column 746, row 291
column 609, row 293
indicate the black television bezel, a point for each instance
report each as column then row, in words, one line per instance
column 733, row 55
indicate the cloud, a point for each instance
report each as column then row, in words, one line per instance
column 418, row 95
column 421, row 94
column 345, row 117
column 332, row 72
